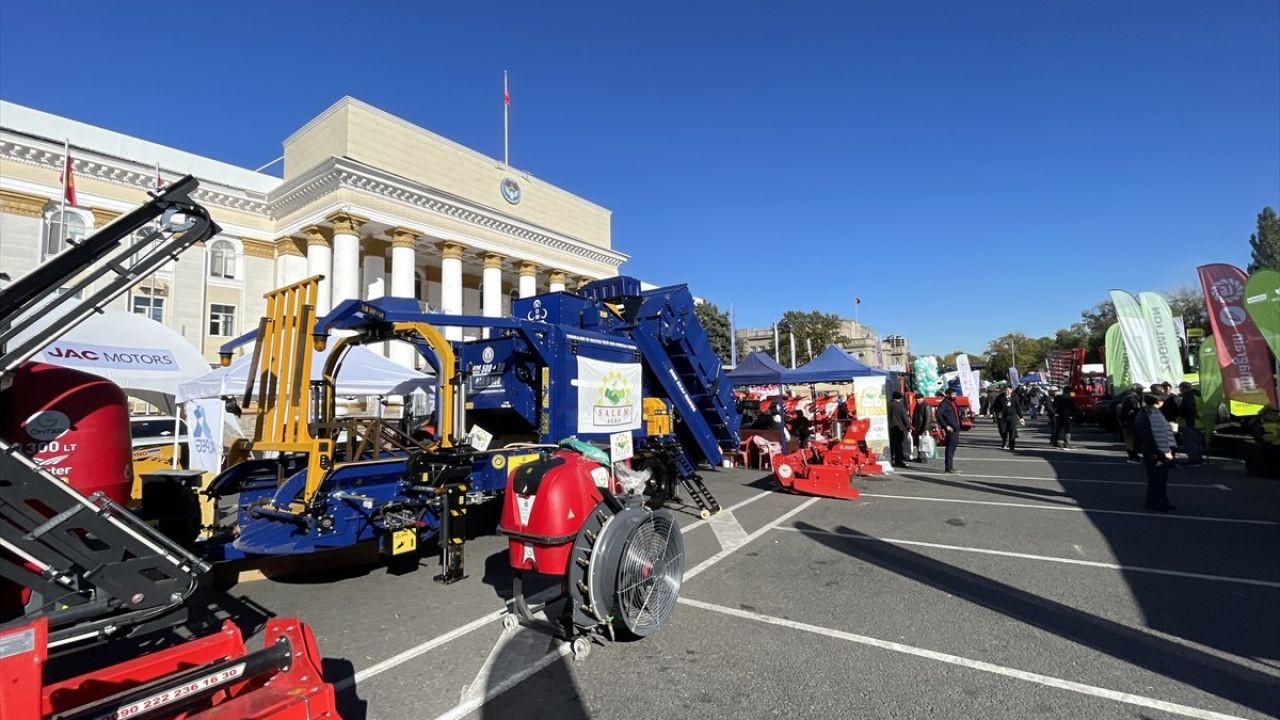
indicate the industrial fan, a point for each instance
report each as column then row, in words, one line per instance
column 622, row 563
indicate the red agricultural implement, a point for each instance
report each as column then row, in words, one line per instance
column 84, row 581
column 828, row 470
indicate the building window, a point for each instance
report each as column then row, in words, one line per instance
column 419, row 286
column 148, row 306
column 61, row 226
column 222, row 260
column 222, row 320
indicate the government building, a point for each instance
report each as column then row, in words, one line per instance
column 375, row 204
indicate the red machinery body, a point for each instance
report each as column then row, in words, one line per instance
column 966, row 414
column 198, row 680
column 829, row 471
column 545, row 505
column 75, row 425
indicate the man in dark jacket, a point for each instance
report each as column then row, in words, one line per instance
column 922, row 423
column 899, row 424
column 949, row 418
column 1126, row 412
column 1008, row 413
column 1188, row 420
column 801, row 428
column 1050, row 410
column 1155, row 437
column 1064, row 412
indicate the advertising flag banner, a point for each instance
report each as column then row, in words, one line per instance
column 608, row 396
column 869, row 395
column 204, row 427
column 1262, row 302
column 968, row 385
column 1248, row 374
column 1164, row 336
column 1210, row 388
column 1117, row 360
column 1137, row 338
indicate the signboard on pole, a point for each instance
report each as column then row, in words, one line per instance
column 620, row 447
column 871, row 404
column 204, row 425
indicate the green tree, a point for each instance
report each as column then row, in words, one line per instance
column 1266, row 242
column 716, row 324
column 1029, row 353
column 1188, row 302
column 818, row 328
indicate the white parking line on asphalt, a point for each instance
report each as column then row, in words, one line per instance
column 965, row 476
column 1046, row 680
column 705, row 564
column 1043, row 558
column 729, row 532
column 1077, row 508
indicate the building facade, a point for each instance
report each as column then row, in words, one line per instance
column 371, row 202
column 863, row 339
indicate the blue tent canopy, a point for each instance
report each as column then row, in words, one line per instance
column 758, row 369
column 1033, row 377
column 832, row 365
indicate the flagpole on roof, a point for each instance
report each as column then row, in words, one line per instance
column 506, row 112
column 66, row 165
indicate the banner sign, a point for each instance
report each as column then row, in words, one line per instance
column 608, row 396
column 1137, row 339
column 1210, row 388
column 204, row 428
column 1180, row 324
column 1247, row 372
column 1014, row 379
column 108, row 357
column 1262, row 302
column 869, row 395
column 1117, row 360
column 1164, row 337
column 968, row 383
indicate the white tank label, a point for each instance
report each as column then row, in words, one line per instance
column 601, row 476
column 524, row 503
column 47, row 425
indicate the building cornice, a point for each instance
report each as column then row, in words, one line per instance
column 20, row 203
column 125, row 173
column 339, row 173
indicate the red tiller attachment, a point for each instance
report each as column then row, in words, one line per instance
column 210, row 678
column 829, row 471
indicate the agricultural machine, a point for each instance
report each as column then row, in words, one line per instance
column 610, row 365
column 81, row 577
column 827, row 468
column 1067, row 371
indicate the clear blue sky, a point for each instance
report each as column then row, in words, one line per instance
column 968, row 169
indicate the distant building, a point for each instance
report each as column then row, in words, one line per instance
column 863, row 339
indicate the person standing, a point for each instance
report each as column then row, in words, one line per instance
column 899, row 425
column 1156, row 440
column 949, row 419
column 1050, row 409
column 801, row 427
column 1127, row 412
column 1064, row 413
column 922, row 424
column 1008, row 412
column 1188, row 418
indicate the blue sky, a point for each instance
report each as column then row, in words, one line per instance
column 967, row 169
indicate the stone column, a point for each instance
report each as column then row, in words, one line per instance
column 320, row 262
column 528, row 279
column 556, row 281
column 451, row 284
column 291, row 263
column 403, row 243
column 583, row 281
column 346, row 257
column 491, row 299
column 373, row 281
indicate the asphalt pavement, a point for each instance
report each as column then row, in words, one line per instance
column 1030, row 585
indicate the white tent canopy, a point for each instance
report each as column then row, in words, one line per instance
column 362, row 372
column 146, row 359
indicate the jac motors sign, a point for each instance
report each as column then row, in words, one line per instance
column 107, row 357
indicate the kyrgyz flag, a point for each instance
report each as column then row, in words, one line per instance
column 1247, row 371
column 1262, row 302
column 1210, row 388
column 1164, row 337
column 68, row 181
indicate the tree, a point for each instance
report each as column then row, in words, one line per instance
column 1266, row 242
column 1188, row 302
column 1030, row 353
column 819, row 328
column 716, row 324
column 1091, row 330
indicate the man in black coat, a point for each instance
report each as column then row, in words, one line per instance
column 1189, row 421
column 1155, row 437
column 899, row 425
column 1008, row 410
column 1064, row 412
column 949, row 418
column 922, row 423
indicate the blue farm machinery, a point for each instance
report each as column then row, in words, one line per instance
column 532, row 413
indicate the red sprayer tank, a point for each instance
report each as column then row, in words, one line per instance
column 74, row 424
column 545, row 505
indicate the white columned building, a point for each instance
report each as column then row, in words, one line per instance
column 528, row 280
column 491, row 286
column 451, row 285
column 556, row 282
column 346, row 271
column 320, row 262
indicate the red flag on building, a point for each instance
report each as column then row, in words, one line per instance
column 1247, row 372
column 68, row 180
